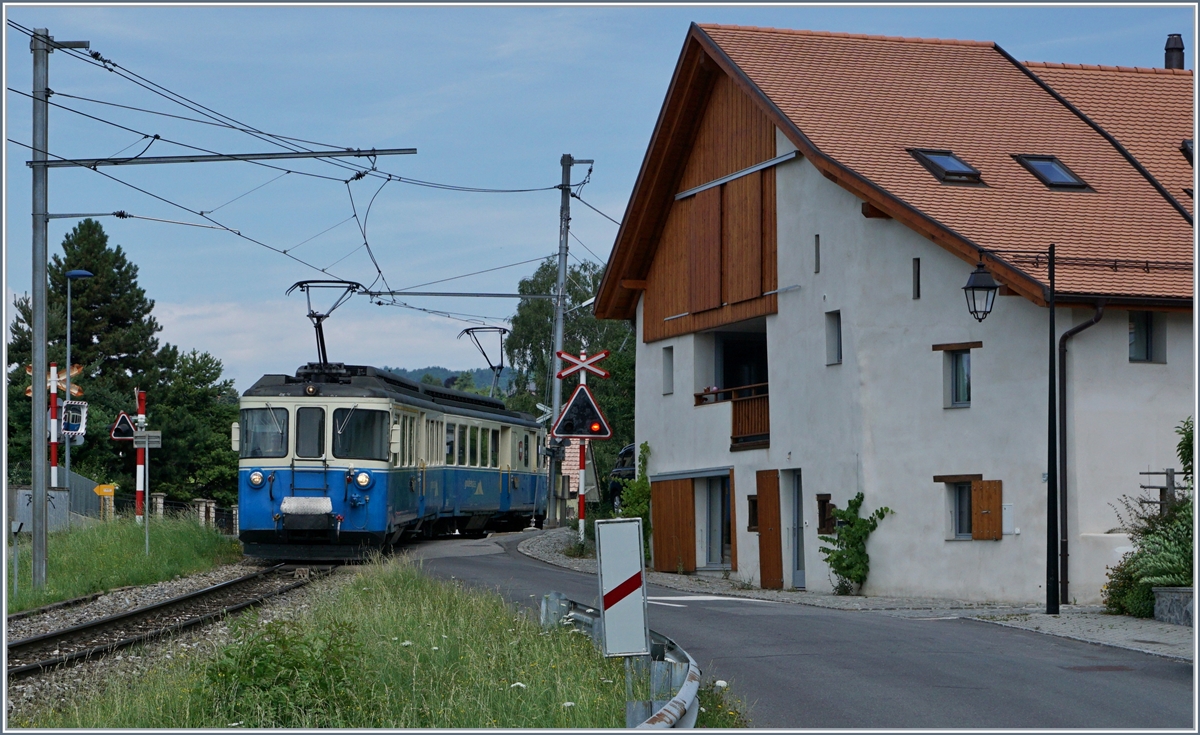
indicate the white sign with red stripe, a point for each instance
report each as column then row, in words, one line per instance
column 622, row 587
column 582, row 362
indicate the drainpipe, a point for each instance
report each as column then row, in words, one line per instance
column 1062, row 446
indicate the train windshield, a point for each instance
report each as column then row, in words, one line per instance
column 360, row 434
column 310, row 432
column 264, row 432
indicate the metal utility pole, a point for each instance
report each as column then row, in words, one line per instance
column 558, row 513
column 41, row 44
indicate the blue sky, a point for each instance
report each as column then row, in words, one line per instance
column 490, row 97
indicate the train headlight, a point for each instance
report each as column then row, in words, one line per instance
column 363, row 479
column 256, row 478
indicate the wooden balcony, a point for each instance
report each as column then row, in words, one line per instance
column 751, row 411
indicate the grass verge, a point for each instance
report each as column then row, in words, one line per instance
column 107, row 555
column 719, row 708
column 390, row 649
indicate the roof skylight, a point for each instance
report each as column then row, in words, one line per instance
column 1052, row 172
column 1186, row 147
column 946, row 166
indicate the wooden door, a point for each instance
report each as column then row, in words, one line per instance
column 673, row 525
column 770, row 543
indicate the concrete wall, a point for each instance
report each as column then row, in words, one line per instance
column 878, row 422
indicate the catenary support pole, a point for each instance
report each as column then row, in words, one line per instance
column 67, row 391
column 558, row 512
column 1051, row 466
column 40, row 44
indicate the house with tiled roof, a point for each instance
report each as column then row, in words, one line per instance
column 794, row 255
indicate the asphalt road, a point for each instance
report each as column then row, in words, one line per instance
column 806, row 667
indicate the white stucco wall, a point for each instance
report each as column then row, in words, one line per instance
column 877, row 423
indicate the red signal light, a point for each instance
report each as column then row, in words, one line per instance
column 595, row 427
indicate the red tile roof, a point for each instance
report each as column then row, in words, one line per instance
column 863, row 101
column 1148, row 110
column 854, row 104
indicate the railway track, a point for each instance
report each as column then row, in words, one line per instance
column 98, row 637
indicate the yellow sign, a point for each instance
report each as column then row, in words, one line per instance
column 105, row 490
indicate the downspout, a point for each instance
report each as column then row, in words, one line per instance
column 1062, row 446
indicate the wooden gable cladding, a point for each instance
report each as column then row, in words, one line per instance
column 716, row 256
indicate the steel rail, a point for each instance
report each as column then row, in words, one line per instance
column 109, row 621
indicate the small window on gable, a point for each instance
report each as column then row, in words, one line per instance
column 947, row 167
column 1052, row 172
column 1186, row 148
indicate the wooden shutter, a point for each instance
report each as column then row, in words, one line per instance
column 704, row 251
column 741, row 242
column 770, row 546
column 673, row 525
column 986, row 519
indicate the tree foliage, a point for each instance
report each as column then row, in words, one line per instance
column 114, row 338
column 530, row 351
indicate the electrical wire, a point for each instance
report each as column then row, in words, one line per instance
column 476, row 273
column 585, row 247
column 597, row 211
column 186, row 209
column 174, row 142
column 322, row 232
column 239, row 196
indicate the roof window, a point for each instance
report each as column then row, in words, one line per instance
column 946, row 167
column 1052, row 172
column 1186, row 147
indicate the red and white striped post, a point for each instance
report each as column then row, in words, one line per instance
column 139, row 501
column 583, row 444
column 53, row 424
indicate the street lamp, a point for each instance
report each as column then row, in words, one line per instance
column 71, row 276
column 981, row 295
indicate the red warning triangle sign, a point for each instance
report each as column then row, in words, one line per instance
column 581, row 419
column 122, row 430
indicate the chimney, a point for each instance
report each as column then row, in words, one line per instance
column 1174, row 58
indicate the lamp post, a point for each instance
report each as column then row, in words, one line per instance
column 981, row 296
column 71, row 276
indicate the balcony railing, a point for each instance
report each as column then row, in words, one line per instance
column 751, row 412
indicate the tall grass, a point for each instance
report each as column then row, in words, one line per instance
column 391, row 649
column 107, row 555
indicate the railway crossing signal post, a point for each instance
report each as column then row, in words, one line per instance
column 582, row 418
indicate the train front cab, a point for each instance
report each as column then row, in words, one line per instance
column 315, row 478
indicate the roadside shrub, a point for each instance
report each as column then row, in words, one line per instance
column 847, row 558
column 1124, row 594
column 1165, row 556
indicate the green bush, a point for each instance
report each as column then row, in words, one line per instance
column 847, row 558
column 1124, row 594
column 1165, row 556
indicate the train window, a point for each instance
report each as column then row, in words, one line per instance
column 483, row 446
column 476, row 450
column 495, row 455
column 462, row 445
column 526, row 450
column 449, row 443
column 264, row 432
column 310, row 432
column 412, row 440
column 360, row 434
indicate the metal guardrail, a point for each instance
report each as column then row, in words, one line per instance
column 673, row 672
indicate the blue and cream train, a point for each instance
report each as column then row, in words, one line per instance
column 341, row 459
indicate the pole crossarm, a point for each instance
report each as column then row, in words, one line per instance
column 132, row 161
column 405, row 294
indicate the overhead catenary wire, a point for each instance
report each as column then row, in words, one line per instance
column 597, row 211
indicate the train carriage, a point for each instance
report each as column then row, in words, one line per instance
column 339, row 460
